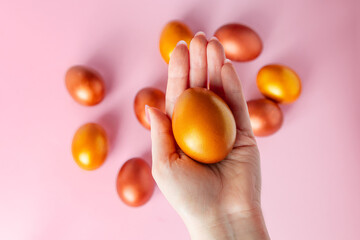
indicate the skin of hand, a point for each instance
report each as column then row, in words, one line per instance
column 215, row 201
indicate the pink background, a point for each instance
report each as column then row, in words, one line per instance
column 310, row 168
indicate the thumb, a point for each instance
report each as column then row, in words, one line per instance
column 162, row 139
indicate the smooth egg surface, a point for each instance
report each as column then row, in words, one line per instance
column 85, row 85
column 171, row 34
column 135, row 184
column 279, row 83
column 203, row 125
column 265, row 115
column 148, row 96
column 240, row 42
column 90, row 146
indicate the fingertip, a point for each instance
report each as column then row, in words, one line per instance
column 200, row 33
column 180, row 49
column 227, row 61
column 181, row 42
column 213, row 38
column 227, row 68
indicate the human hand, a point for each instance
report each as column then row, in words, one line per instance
column 216, row 201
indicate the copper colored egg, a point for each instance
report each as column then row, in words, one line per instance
column 240, row 42
column 135, row 184
column 148, row 96
column 171, row 34
column 265, row 115
column 280, row 83
column 203, row 125
column 85, row 85
column 90, row 146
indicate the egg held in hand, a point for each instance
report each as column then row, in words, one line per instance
column 240, row 42
column 279, row 83
column 135, row 184
column 85, row 85
column 90, row 146
column 265, row 115
column 172, row 33
column 148, row 96
column 203, row 125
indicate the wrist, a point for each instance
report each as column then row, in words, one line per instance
column 245, row 225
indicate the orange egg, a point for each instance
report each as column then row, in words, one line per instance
column 135, row 184
column 90, row 146
column 265, row 115
column 240, row 42
column 203, row 125
column 85, row 85
column 172, row 33
column 279, row 83
column 148, row 96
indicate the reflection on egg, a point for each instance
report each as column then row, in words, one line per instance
column 90, row 146
column 279, row 83
column 85, row 85
column 266, row 116
column 135, row 184
column 172, row 33
column 240, row 42
column 148, row 96
column 203, row 125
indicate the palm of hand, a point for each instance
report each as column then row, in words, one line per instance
column 192, row 188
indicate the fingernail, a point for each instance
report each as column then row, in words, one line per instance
column 227, row 61
column 181, row 42
column 214, row 38
column 199, row 33
column 147, row 113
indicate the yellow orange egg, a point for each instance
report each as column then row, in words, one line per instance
column 279, row 83
column 203, row 125
column 85, row 85
column 240, row 42
column 135, row 184
column 171, row 34
column 90, row 146
column 148, row 96
column 265, row 116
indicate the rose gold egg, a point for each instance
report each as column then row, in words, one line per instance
column 265, row 115
column 240, row 42
column 135, row 184
column 85, row 85
column 148, row 96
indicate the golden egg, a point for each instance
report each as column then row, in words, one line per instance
column 240, row 42
column 171, row 34
column 85, row 85
column 148, row 96
column 279, row 83
column 265, row 116
column 90, row 146
column 203, row 125
column 135, row 184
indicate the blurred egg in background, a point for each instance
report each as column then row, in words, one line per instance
column 148, row 96
column 240, row 42
column 172, row 33
column 266, row 116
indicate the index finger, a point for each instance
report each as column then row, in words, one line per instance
column 178, row 75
